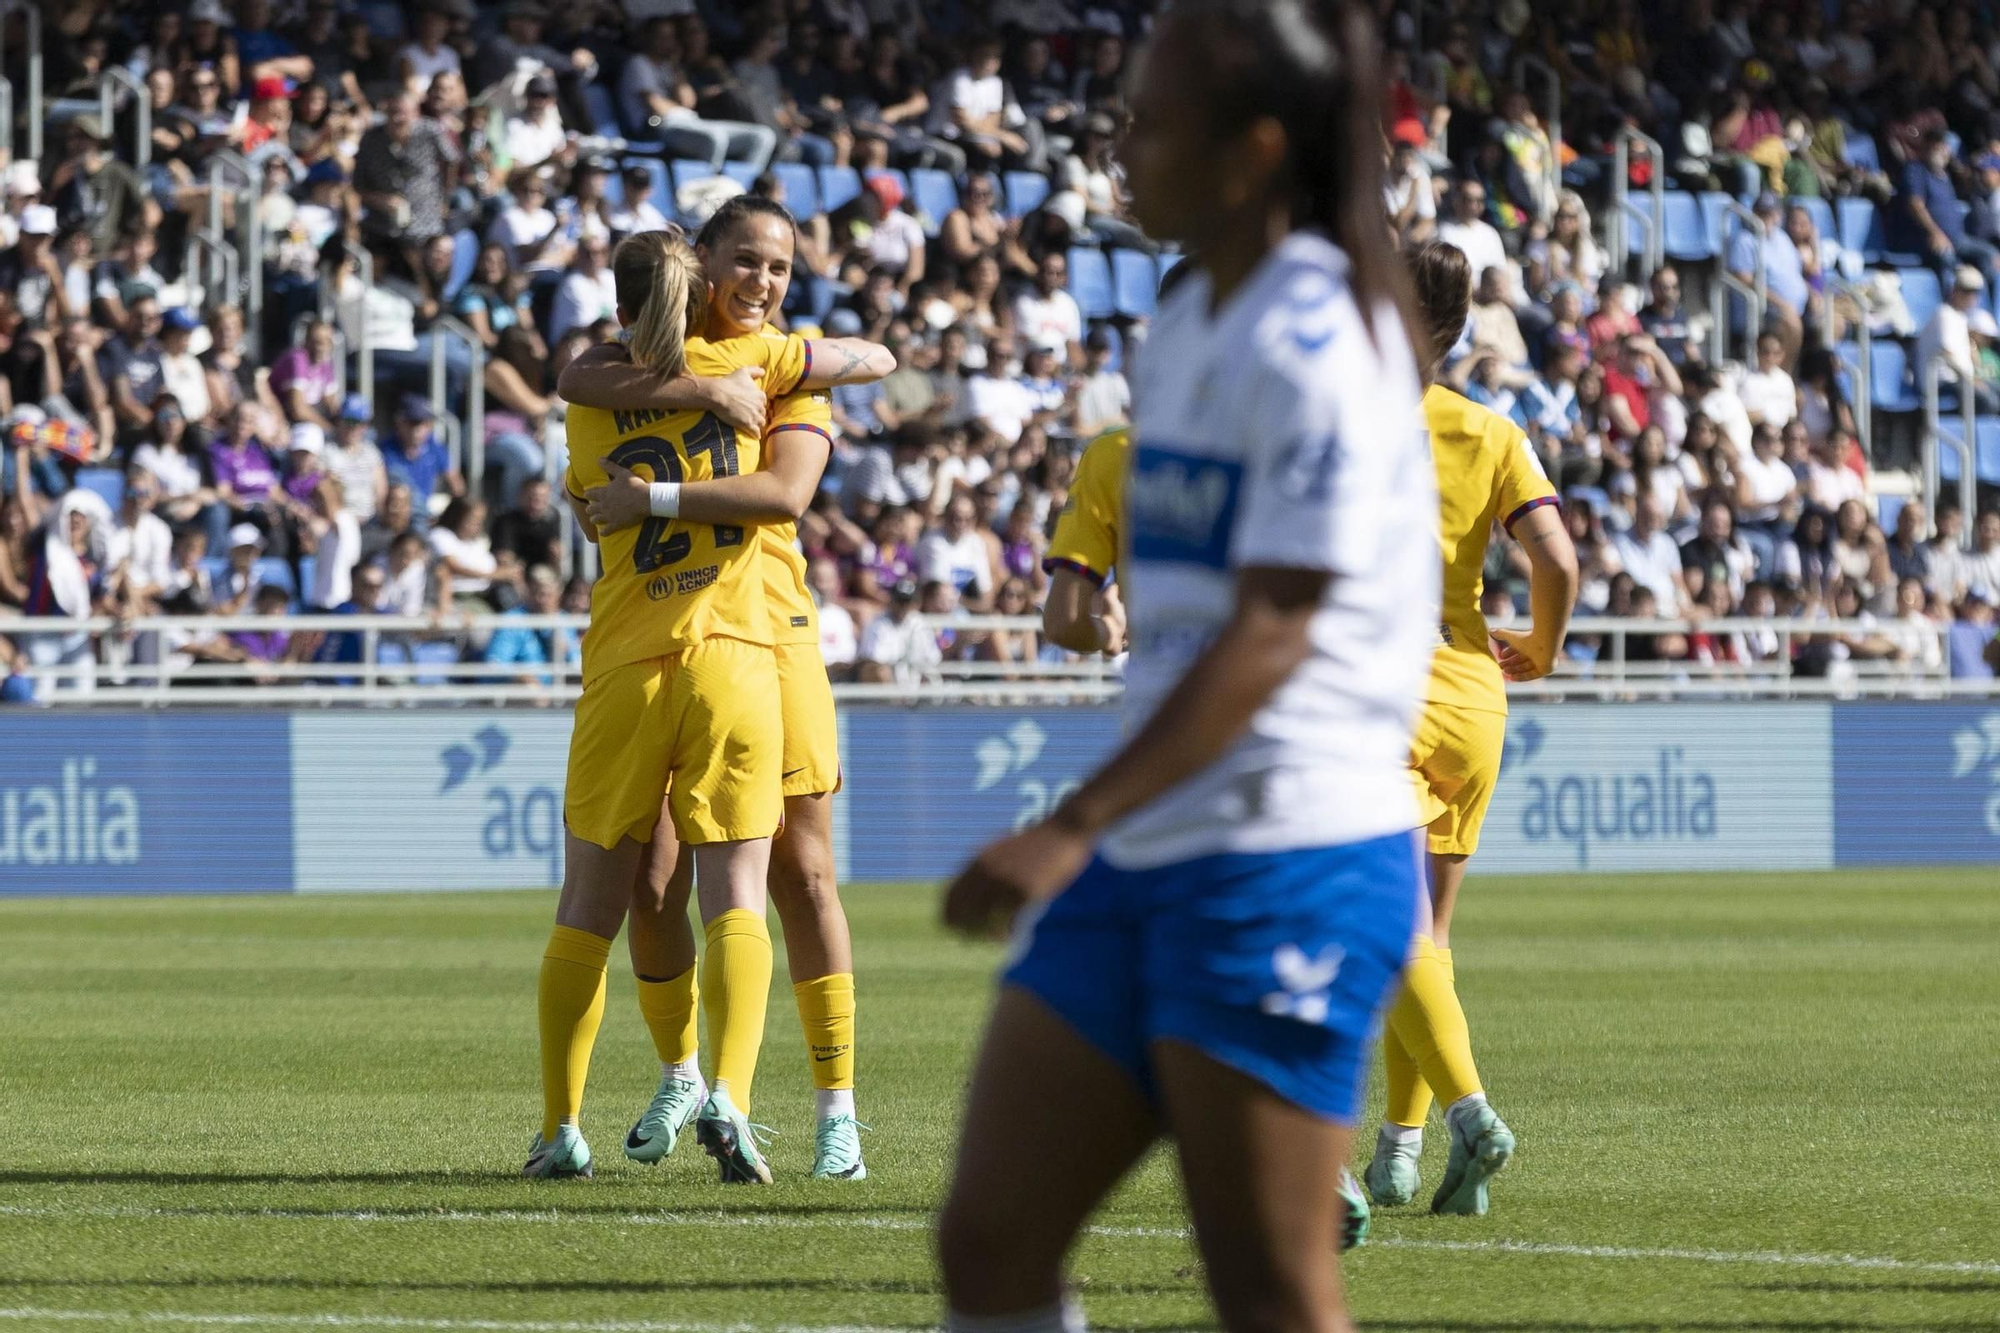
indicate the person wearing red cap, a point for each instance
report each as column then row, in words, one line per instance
column 897, row 242
column 270, row 113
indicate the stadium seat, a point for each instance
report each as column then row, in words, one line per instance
column 686, row 171
column 1090, row 283
column 1857, row 224
column 743, row 173
column 801, row 186
column 1862, row 153
column 1920, row 294
column 837, row 186
column 308, row 566
column 434, row 653
column 1135, row 283
column 1985, row 450
column 1170, row 262
column 1024, row 191
column 1716, row 224
column 1117, row 341
column 1821, row 214
column 663, row 183
column 603, row 111
column 1889, row 378
column 1686, row 240
column 279, row 573
column 105, row 482
column 936, row 196
column 464, row 257
column 1887, row 508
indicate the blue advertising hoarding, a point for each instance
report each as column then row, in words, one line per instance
column 338, row 801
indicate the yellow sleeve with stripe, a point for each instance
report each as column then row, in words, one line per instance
column 1087, row 532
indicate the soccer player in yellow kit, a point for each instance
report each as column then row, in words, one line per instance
column 678, row 677
column 1083, row 611
column 1487, row 473
column 746, row 249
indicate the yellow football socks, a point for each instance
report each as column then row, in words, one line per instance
column 669, row 1010
column 826, row 1012
column 570, row 999
column 1430, row 1026
column 736, row 986
column 1409, row 1098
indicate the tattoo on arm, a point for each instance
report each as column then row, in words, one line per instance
column 850, row 360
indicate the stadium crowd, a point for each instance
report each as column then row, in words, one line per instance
column 954, row 169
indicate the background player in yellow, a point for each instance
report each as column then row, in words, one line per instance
column 1487, row 473
column 678, row 679
column 1083, row 611
column 746, row 249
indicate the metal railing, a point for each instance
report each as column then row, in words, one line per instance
column 1622, row 211
column 1551, row 114
column 364, row 272
column 35, row 110
column 1864, row 370
column 1930, row 375
column 109, row 82
column 445, row 330
column 221, row 258
column 141, row 662
column 1752, row 292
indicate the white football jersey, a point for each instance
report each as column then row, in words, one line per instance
column 1277, row 432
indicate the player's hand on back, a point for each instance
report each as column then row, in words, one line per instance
column 739, row 399
column 1521, row 656
column 623, row 500
column 1108, row 609
column 1017, row 871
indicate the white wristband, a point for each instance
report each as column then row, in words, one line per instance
column 665, row 498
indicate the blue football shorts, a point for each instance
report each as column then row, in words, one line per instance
column 1276, row 964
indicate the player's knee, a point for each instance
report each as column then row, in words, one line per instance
column 802, row 876
column 983, row 1260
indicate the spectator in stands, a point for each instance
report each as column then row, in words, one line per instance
column 1495, row 332
column 1640, row 372
column 1102, row 398
column 1944, row 558
column 246, row 477
column 638, row 212
column 895, row 239
column 1927, row 218
column 1982, row 563
column 396, row 518
column 1650, row 556
column 1776, row 255
column 984, row 118
column 530, row 648
column 1947, row 338
column 532, row 529
column 1048, row 316
column 181, row 372
column 656, row 99
column 305, row 378
column 527, row 230
column 1409, row 195
column 900, row 646
column 419, row 459
column 1468, row 229
column 464, row 552
column 976, row 228
column 129, row 364
column 428, row 53
column 1768, row 393
column 518, row 43
column 94, row 190
column 1668, row 323
column 404, row 170
column 138, row 545
column 1831, row 479
column 355, row 461
column 956, row 554
column 586, row 294
column 332, row 535
column 534, row 134
column 1969, row 642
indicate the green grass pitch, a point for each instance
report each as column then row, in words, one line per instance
column 1743, row 1102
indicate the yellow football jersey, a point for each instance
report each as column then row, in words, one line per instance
column 1089, row 529
column 668, row 584
column 1487, row 472
column 794, row 614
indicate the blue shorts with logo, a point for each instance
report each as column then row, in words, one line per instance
column 1276, row 964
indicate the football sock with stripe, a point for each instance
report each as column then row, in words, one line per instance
column 569, row 999
column 669, row 1010
column 736, row 987
column 1428, row 1021
column 826, row 1012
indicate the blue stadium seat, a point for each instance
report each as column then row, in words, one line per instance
column 1170, row 262
column 1686, row 240
column 278, row 572
column 663, row 183
column 1090, row 283
column 391, row 652
column 107, row 482
column 1920, row 293
column 464, row 256
column 1985, row 450
column 215, row 566
column 1821, row 214
column 1857, row 225
column 1716, row 224
column 1862, row 153
column 743, row 173
column 1889, row 378
column 1887, row 508
column 837, row 186
column 801, row 184
column 1024, row 192
column 308, row 566
column 1135, row 283
column 936, row 196
column 603, row 111
column 687, row 170
column 1117, row 341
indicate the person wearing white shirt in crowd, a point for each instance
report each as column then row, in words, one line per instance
column 1651, row 557
column 1103, row 396
column 999, row 400
column 1768, row 393
column 527, row 230
column 408, row 591
column 1982, row 563
column 535, row 133
column 983, row 114
column 1947, row 338
column 138, row 541
column 337, row 536
column 429, row 54
column 181, row 372
column 1944, row 559
column 1830, row 482
column 587, row 293
column 464, row 551
column 1408, row 195
column 1468, row 229
column 839, row 641
column 901, row 644
column 1048, row 316
column 638, row 213
column 954, row 553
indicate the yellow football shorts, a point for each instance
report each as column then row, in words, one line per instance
column 812, row 737
column 1454, row 764
column 699, row 726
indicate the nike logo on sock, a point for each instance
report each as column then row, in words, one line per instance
column 836, row 1053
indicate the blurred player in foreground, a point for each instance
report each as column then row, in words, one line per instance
column 746, row 250
column 1487, row 473
column 1215, row 971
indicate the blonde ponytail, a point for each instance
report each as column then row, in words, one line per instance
column 661, row 285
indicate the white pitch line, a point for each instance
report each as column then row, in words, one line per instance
column 23, row 1314
column 1766, row 1258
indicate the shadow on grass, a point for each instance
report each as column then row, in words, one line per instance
column 829, row 1286
column 1943, row 1286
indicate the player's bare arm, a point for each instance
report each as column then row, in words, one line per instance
column 1083, row 617
column 1265, row 641
column 1530, row 654
column 778, row 492
column 605, row 377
